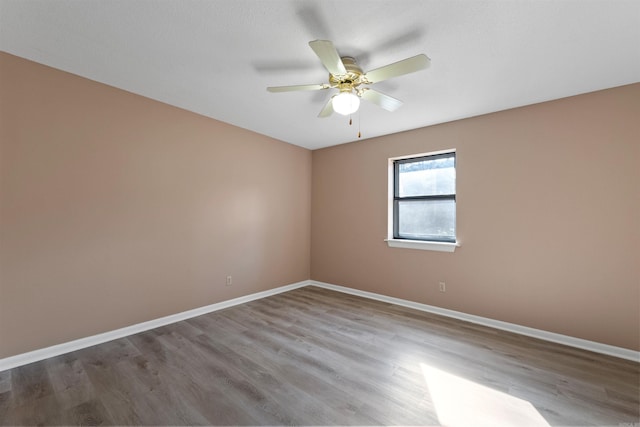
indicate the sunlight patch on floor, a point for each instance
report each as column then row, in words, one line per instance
column 460, row 402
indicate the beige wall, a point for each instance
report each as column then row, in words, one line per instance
column 116, row 209
column 548, row 208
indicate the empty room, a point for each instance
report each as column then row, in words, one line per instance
column 244, row 212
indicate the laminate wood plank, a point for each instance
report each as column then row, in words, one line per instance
column 5, row 381
column 260, row 384
column 265, row 367
column 69, row 380
column 194, row 389
column 30, row 383
column 111, row 385
column 41, row 411
column 88, row 413
column 354, row 379
column 380, row 383
column 325, row 397
column 283, row 358
column 145, row 378
column 5, row 391
column 204, row 384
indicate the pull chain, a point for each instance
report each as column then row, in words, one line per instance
column 351, row 122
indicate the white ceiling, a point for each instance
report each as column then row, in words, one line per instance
column 216, row 58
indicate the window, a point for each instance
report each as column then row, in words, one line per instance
column 423, row 201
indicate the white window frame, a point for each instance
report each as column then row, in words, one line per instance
column 405, row 243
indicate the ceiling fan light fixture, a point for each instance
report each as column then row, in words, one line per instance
column 345, row 103
column 352, row 83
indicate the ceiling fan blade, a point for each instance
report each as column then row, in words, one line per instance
column 387, row 102
column 329, row 57
column 297, row 87
column 406, row 66
column 327, row 110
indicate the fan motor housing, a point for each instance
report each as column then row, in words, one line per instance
column 352, row 78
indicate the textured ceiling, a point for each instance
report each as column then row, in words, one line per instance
column 216, row 58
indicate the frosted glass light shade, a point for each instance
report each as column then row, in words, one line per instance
column 345, row 103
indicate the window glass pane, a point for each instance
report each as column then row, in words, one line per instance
column 427, row 220
column 427, row 177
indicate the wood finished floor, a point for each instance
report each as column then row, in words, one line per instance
column 317, row 357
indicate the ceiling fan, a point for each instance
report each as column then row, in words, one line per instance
column 346, row 76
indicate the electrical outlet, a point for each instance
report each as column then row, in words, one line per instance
column 442, row 286
column 229, row 281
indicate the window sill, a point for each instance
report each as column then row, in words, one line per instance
column 422, row 245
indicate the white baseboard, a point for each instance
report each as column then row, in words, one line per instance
column 596, row 347
column 56, row 350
